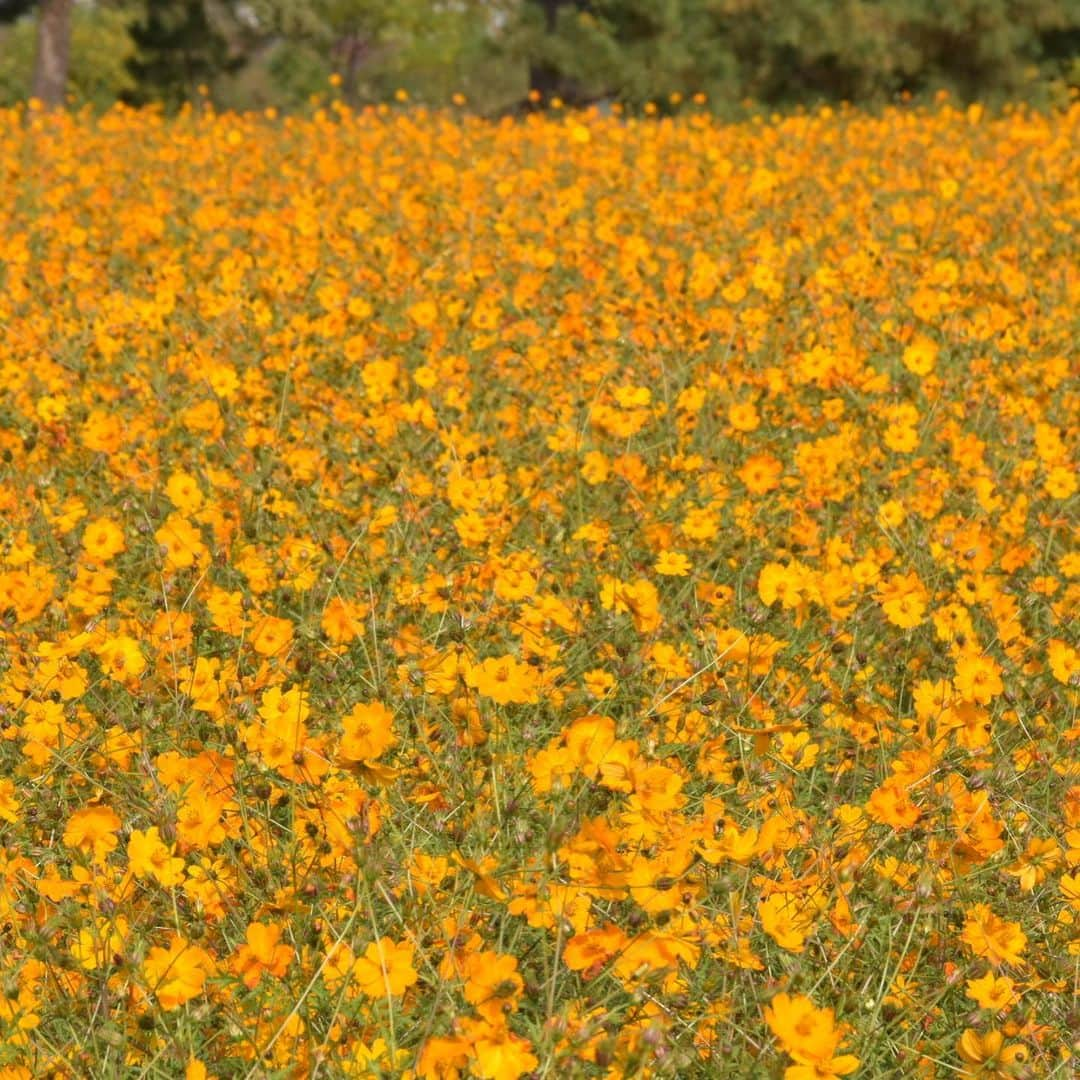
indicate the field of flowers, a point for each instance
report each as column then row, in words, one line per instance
column 569, row 596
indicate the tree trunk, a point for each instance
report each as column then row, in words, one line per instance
column 53, row 47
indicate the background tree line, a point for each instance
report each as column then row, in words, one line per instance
column 257, row 53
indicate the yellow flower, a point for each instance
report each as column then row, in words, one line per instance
column 271, row 636
column 978, row 679
column 183, row 492
column 920, row 357
column 102, row 539
column 262, row 952
column 501, row 1055
column 177, row 974
column 386, row 968
column 786, row 921
column 368, row 732
column 810, row 1036
column 988, row 1058
column 94, row 829
column 672, row 564
column 743, row 416
column 992, row 938
column 505, row 680
column 149, row 856
column 991, row 992
column 1061, row 482
column 1064, row 661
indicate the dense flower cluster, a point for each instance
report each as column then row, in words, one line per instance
column 568, row 595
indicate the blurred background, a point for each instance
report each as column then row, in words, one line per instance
column 635, row 54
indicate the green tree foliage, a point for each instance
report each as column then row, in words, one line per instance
column 180, row 45
column 773, row 52
column 636, row 50
column 430, row 49
column 10, row 10
column 784, row 52
column 101, row 46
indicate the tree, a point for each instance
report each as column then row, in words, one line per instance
column 53, row 45
column 10, row 10
column 101, row 46
column 545, row 78
column 631, row 50
column 180, row 45
column 53, row 52
column 802, row 51
column 431, row 48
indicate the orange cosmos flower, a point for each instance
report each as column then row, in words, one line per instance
column 102, row 539
column 482, row 871
column 502, row 1055
column 978, row 679
column 1070, row 889
column 196, row 1070
column 589, row 952
column 920, row 357
column 492, row 983
column 261, row 953
column 443, row 1058
column 94, row 829
column 761, row 473
column 890, row 804
column 743, row 416
column 182, row 543
column 1064, row 661
column 779, row 582
column 656, row 787
column 672, row 564
column 505, row 680
column 9, row 801
column 992, row 938
column 1061, row 482
column 121, row 658
column 177, row 974
column 424, row 313
column 1040, row 857
column 386, row 968
column 369, row 732
column 988, row 1058
column 149, row 856
column 271, row 636
column 341, row 620
column 810, row 1036
column 992, row 992
column 903, row 599
column 786, row 920
column 183, row 492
